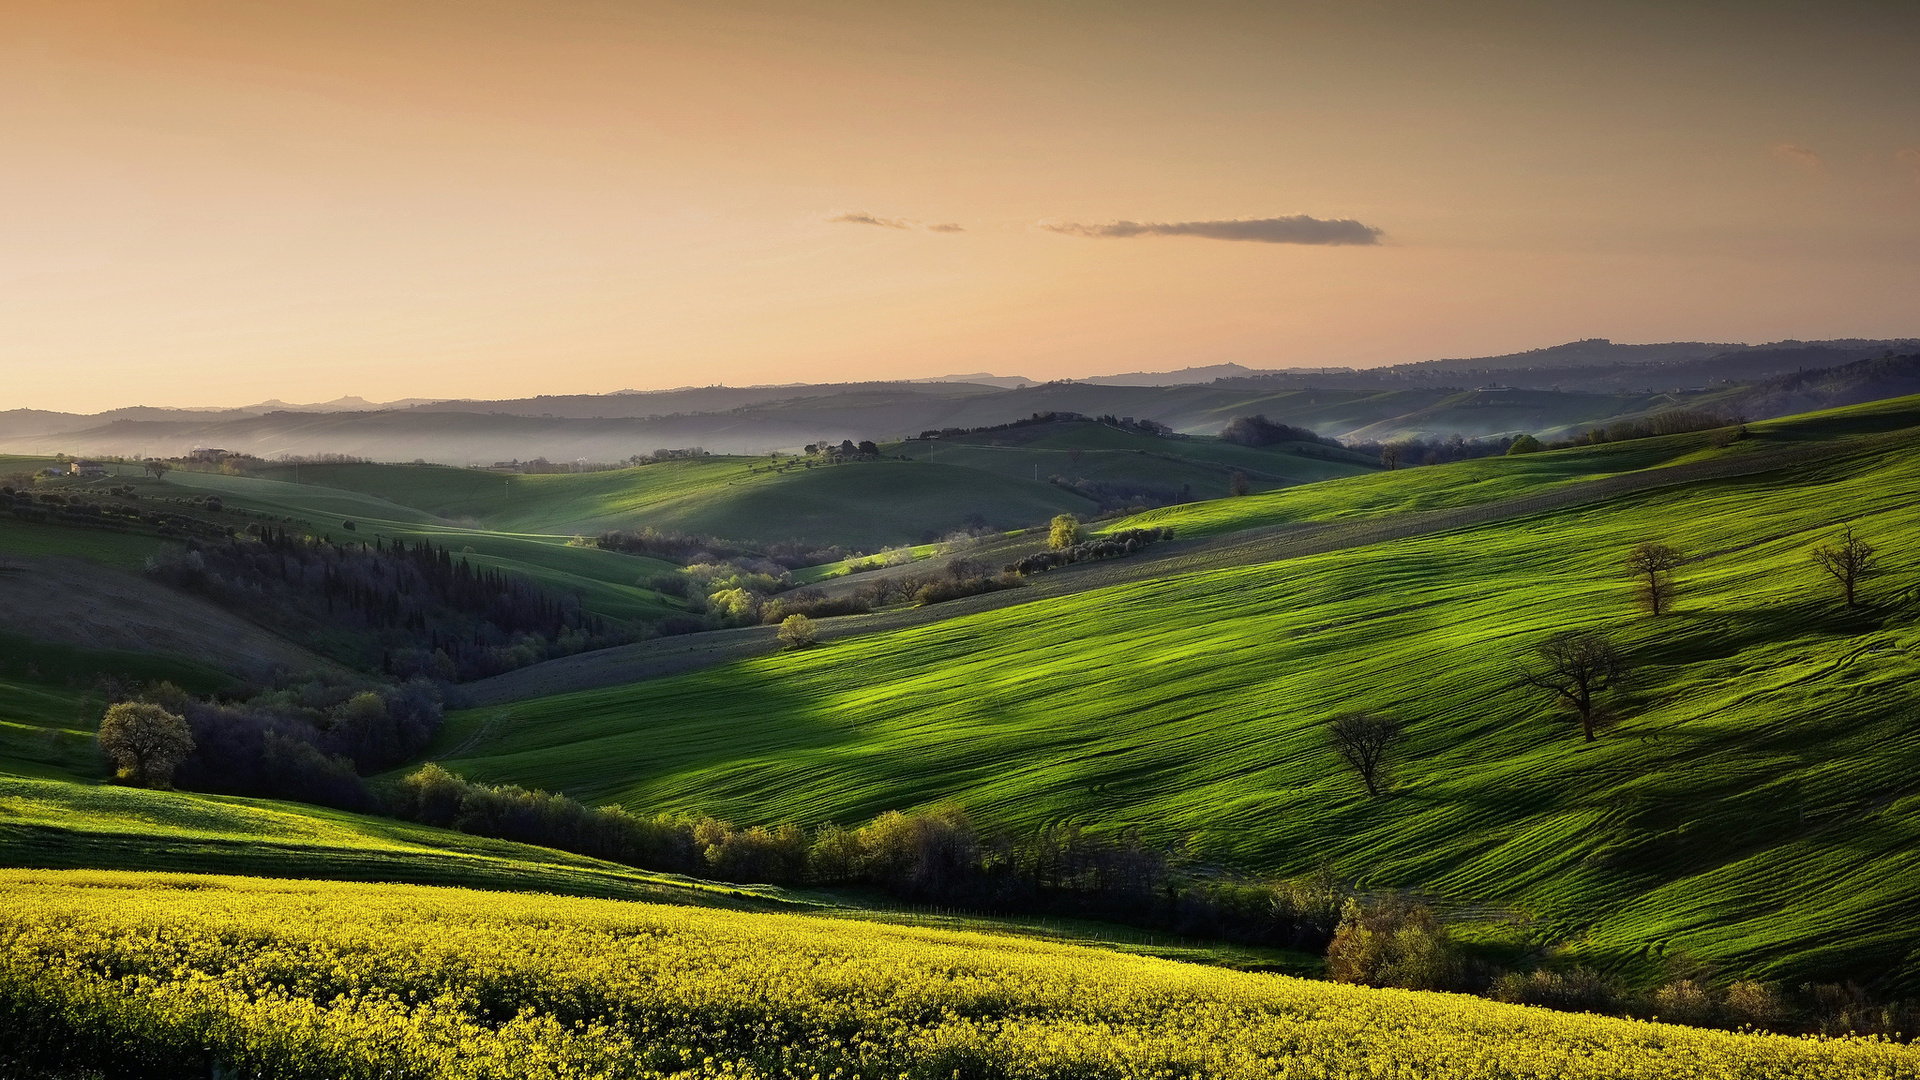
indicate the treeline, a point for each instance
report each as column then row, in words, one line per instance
column 1124, row 542
column 411, row 609
column 938, row 856
column 1257, row 430
column 119, row 511
column 1125, row 494
column 1431, row 451
column 311, row 741
column 690, row 548
column 1036, row 418
column 1671, row 422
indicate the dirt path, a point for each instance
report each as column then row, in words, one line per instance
column 1266, row 544
column 75, row 602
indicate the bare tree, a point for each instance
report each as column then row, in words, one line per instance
column 1847, row 560
column 157, row 467
column 1654, row 564
column 1577, row 666
column 1362, row 740
column 1239, row 484
column 1390, row 456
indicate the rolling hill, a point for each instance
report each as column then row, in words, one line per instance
column 1752, row 808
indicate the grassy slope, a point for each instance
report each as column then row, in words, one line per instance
column 122, row 551
column 605, row 581
column 1488, row 479
column 49, row 708
column 1098, row 452
column 1754, row 807
column 53, row 825
column 861, row 504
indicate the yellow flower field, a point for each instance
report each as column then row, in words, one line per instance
column 159, row 975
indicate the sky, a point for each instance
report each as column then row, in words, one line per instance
column 217, row 203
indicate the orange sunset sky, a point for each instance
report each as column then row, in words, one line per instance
column 217, row 203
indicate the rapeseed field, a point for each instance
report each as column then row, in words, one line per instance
column 161, row 975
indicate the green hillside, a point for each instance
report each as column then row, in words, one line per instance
column 1484, row 480
column 605, row 581
column 863, row 504
column 54, row 825
column 1753, row 808
column 1077, row 450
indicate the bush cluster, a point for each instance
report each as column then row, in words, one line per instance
column 311, row 742
column 1114, row 545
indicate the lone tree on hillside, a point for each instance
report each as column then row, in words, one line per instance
column 1239, row 485
column 157, row 467
column 1653, row 564
column 1362, row 740
column 1847, row 560
column 797, row 631
column 146, row 741
column 1525, row 444
column 1065, row 532
column 1577, row 666
column 1390, row 455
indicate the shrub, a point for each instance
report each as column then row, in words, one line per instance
column 1756, row 1003
column 1394, row 943
column 797, row 631
column 1579, row 990
column 1525, row 444
column 1064, row 532
column 1685, row 1001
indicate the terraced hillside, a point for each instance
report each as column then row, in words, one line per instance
column 1752, row 807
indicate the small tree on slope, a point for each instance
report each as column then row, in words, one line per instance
column 1847, row 560
column 146, row 741
column 1577, row 666
column 1653, row 564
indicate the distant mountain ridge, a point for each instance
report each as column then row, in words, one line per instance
column 1562, row 391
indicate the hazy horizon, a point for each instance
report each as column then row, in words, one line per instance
column 218, row 202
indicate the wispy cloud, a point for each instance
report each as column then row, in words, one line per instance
column 1795, row 154
column 861, row 217
column 1297, row 229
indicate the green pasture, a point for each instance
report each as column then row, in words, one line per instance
column 866, row 504
column 1483, row 480
column 1752, row 809
column 121, row 550
column 51, row 698
column 55, row 826
column 607, row 582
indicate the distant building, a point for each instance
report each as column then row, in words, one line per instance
column 86, row 468
column 209, row 453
